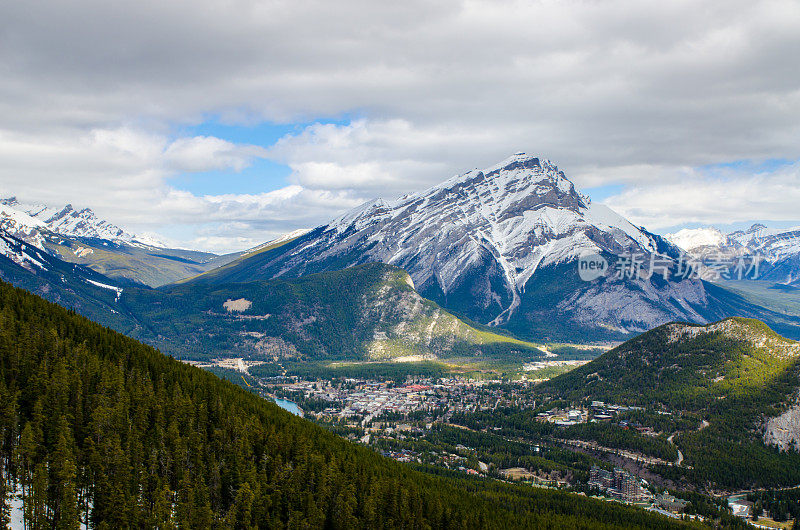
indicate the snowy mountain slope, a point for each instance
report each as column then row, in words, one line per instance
column 778, row 249
column 500, row 246
column 65, row 221
column 72, row 286
column 81, row 237
column 694, row 239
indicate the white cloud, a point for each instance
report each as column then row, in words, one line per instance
column 203, row 153
column 619, row 91
column 123, row 174
column 390, row 157
column 725, row 197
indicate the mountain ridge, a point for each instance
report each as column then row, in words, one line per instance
column 501, row 246
column 777, row 249
column 80, row 237
column 67, row 221
column 366, row 313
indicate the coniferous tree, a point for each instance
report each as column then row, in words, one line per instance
column 65, row 501
column 5, row 505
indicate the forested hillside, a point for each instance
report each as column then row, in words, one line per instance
column 734, row 376
column 94, row 425
column 368, row 312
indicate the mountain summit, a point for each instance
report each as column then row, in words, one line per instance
column 481, row 235
column 500, row 246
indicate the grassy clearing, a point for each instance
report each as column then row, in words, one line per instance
column 780, row 298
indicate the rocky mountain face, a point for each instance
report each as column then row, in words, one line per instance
column 502, row 246
column 778, row 250
column 80, row 237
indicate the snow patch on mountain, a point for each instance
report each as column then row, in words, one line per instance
column 22, row 255
column 118, row 290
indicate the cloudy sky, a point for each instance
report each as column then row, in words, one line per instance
column 220, row 124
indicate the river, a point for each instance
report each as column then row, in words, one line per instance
column 291, row 406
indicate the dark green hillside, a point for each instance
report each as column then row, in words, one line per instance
column 368, row 312
column 94, row 423
column 735, row 375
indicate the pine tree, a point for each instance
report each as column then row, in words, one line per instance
column 36, row 510
column 5, row 507
column 162, row 510
column 243, row 507
column 63, row 475
column 26, row 455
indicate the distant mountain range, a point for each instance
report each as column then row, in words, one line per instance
column 368, row 313
column 499, row 247
column 502, row 247
column 31, row 219
column 79, row 236
column 779, row 248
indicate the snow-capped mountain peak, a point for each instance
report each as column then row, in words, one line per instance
column 478, row 237
column 26, row 220
column 691, row 239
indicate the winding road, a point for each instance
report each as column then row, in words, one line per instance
column 680, row 455
column 703, row 425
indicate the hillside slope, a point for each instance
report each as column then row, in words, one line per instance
column 737, row 375
column 72, row 286
column 98, row 428
column 368, row 312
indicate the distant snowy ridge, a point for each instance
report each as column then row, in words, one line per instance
column 26, row 220
column 779, row 249
column 691, row 239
